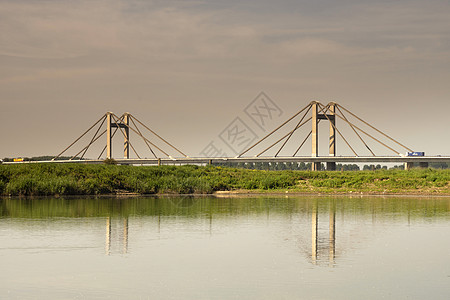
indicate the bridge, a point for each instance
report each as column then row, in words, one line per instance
column 271, row 148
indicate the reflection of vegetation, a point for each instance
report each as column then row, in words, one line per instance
column 76, row 179
column 205, row 206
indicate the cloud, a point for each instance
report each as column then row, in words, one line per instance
column 93, row 40
column 52, row 75
column 56, row 29
column 152, row 30
column 169, row 55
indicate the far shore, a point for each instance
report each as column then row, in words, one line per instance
column 241, row 194
column 291, row 193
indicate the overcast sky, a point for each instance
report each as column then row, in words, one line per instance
column 188, row 68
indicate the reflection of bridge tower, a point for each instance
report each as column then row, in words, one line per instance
column 113, row 234
column 316, row 243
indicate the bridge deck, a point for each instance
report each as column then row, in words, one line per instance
column 306, row 159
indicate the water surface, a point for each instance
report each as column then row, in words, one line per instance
column 225, row 248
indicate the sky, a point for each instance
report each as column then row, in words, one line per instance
column 190, row 69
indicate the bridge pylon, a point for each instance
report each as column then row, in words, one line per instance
column 126, row 124
column 125, row 127
column 330, row 112
column 316, row 117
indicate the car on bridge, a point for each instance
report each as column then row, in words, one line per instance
column 415, row 154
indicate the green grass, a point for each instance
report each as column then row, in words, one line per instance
column 78, row 179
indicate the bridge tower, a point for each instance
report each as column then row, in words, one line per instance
column 126, row 142
column 316, row 116
column 124, row 127
column 126, row 124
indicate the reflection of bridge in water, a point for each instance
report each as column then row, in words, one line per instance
column 322, row 229
column 315, row 241
column 323, row 244
column 115, row 232
column 315, row 225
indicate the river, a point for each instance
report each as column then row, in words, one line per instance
column 275, row 247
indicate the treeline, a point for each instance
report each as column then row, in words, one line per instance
column 273, row 166
column 280, row 166
column 307, row 166
column 438, row 165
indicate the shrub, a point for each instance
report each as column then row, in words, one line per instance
column 110, row 161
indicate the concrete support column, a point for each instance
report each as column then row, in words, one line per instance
column 409, row 165
column 315, row 166
column 423, row 165
column 332, row 147
column 126, row 145
column 108, row 136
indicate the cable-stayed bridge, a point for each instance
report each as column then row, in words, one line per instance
column 281, row 145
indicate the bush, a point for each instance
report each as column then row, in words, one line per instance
column 110, row 161
column 2, row 187
column 23, row 186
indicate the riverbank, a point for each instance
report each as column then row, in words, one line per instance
column 75, row 179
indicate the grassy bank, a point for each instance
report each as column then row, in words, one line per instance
column 76, row 179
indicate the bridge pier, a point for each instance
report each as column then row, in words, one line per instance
column 410, row 165
column 331, row 166
column 423, row 165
